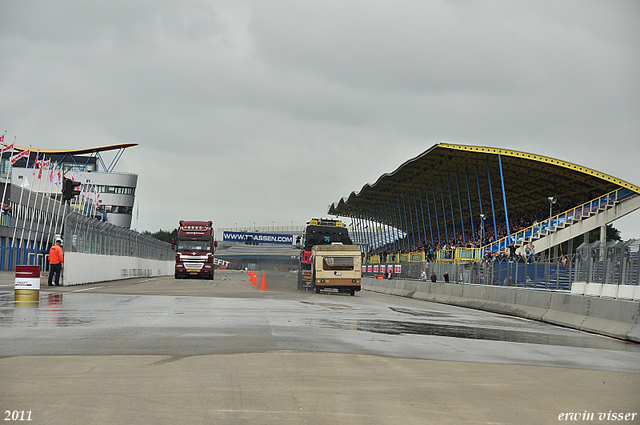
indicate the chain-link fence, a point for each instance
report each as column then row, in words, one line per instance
column 613, row 263
column 90, row 236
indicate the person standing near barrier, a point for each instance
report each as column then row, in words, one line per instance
column 423, row 276
column 55, row 261
column 433, row 277
column 446, row 277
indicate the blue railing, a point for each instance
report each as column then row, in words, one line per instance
column 552, row 224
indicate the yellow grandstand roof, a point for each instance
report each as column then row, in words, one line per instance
column 459, row 176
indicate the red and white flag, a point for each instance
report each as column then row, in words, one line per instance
column 2, row 139
column 22, row 154
column 7, row 148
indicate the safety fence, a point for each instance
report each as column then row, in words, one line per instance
column 614, row 263
column 90, row 236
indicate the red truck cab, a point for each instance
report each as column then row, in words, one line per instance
column 194, row 250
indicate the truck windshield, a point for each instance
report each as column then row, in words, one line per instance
column 337, row 263
column 194, row 245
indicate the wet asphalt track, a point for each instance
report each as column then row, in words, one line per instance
column 160, row 321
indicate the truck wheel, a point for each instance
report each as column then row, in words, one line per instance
column 317, row 290
column 353, row 292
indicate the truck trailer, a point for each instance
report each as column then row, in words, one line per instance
column 194, row 250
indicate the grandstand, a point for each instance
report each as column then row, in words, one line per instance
column 454, row 196
column 459, row 195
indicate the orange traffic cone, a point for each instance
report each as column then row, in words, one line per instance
column 254, row 279
column 263, row 284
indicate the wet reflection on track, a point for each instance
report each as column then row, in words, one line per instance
column 391, row 327
column 48, row 311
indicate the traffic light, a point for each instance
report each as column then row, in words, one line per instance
column 69, row 189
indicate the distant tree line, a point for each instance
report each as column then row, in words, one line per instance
column 163, row 235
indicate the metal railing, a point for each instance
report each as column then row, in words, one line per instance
column 90, row 236
column 613, row 263
column 537, row 230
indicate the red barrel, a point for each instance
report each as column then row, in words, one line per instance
column 27, row 284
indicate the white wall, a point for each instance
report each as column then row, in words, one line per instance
column 80, row 268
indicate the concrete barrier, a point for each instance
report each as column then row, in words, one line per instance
column 80, row 268
column 612, row 317
column 577, row 288
column 532, row 304
column 609, row 291
column 593, row 289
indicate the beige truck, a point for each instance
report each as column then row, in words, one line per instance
column 336, row 266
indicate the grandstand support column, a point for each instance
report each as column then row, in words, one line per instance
column 394, row 220
column 394, row 238
column 473, row 231
column 464, row 238
column 570, row 257
column 570, row 247
column 370, row 230
column 424, row 228
column 504, row 198
column 444, row 214
column 426, row 193
column 493, row 209
column 415, row 204
column 435, row 208
column 603, row 242
column 453, row 217
column 482, row 239
column 400, row 222
column 410, row 221
column 380, row 231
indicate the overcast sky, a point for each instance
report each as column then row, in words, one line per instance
column 268, row 111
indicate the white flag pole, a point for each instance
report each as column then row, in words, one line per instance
column 60, row 206
column 29, row 202
column 13, row 239
column 51, row 186
column 6, row 179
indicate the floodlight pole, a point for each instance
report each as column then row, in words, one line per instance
column 552, row 200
